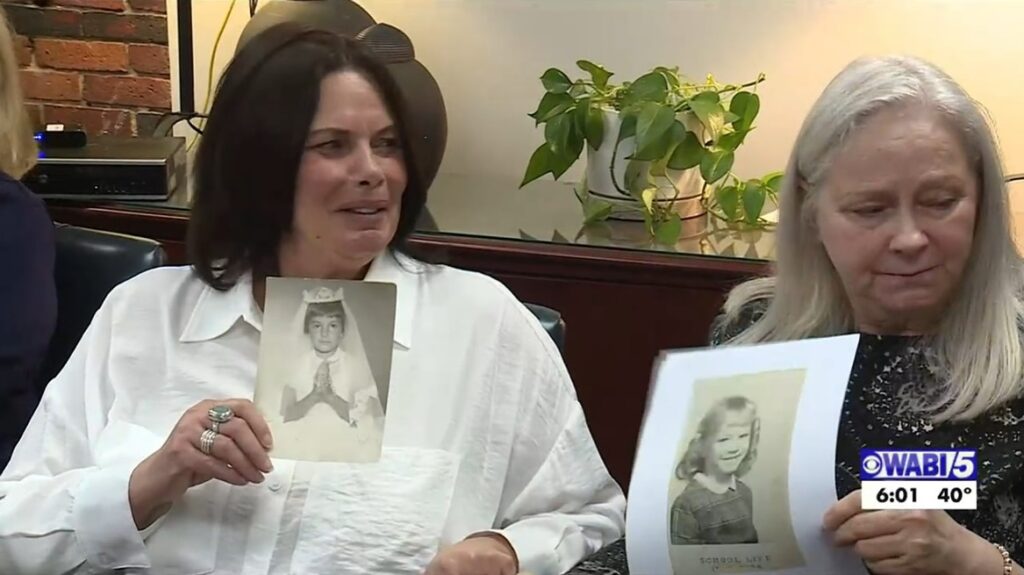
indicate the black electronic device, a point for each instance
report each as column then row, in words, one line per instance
column 111, row 168
column 61, row 138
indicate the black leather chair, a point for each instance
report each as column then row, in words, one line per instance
column 551, row 321
column 89, row 264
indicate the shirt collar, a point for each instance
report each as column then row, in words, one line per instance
column 216, row 312
column 714, row 487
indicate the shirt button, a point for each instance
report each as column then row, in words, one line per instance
column 274, row 485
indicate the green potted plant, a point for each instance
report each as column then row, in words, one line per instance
column 654, row 145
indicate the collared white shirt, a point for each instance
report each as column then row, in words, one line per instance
column 483, row 431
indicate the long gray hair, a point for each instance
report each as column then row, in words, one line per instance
column 976, row 350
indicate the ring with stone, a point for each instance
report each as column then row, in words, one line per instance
column 219, row 414
column 206, row 440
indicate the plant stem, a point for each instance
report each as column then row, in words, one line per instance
column 724, row 90
column 740, row 225
column 717, row 215
column 742, row 86
column 611, row 169
column 675, row 197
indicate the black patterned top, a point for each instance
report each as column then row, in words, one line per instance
column 889, row 378
column 890, row 381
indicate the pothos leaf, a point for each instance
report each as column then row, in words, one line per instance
column 716, row 165
column 540, row 164
column 596, row 211
column 687, row 154
column 728, row 198
column 667, row 231
column 555, row 81
column 552, row 105
column 753, row 201
column 598, row 74
column 744, row 106
column 636, row 178
column 648, row 197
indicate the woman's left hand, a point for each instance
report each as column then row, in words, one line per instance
column 909, row 542
column 480, row 555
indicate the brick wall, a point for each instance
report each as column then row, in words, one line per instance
column 101, row 65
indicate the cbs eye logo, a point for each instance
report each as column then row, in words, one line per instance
column 871, row 465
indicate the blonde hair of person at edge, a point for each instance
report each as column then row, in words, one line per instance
column 332, row 393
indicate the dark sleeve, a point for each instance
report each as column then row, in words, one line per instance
column 722, row 330
column 28, row 306
column 684, row 528
column 745, row 493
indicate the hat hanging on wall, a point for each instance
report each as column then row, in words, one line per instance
column 421, row 96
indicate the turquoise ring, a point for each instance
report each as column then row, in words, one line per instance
column 219, row 414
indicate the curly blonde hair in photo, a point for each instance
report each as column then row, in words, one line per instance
column 695, row 459
column 18, row 149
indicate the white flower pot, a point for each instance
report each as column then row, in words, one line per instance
column 600, row 169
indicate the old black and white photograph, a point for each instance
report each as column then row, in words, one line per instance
column 325, row 362
column 716, row 507
column 729, row 496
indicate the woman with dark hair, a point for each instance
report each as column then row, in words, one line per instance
column 146, row 453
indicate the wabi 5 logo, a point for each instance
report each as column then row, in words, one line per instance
column 950, row 465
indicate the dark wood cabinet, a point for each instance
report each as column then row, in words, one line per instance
column 621, row 306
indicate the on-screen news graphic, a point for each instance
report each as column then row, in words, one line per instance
column 919, row 479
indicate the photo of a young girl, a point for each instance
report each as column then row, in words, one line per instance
column 716, row 507
column 324, row 371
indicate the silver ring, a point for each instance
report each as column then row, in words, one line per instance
column 206, row 440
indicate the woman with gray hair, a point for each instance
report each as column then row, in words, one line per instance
column 894, row 224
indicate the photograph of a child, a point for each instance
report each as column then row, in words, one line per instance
column 317, row 385
column 716, row 507
column 728, row 501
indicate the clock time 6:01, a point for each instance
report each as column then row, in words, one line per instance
column 897, row 495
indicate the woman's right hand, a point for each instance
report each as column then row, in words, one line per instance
column 239, row 457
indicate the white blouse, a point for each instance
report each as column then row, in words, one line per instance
column 483, row 432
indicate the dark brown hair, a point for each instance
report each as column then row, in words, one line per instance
column 324, row 309
column 248, row 158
